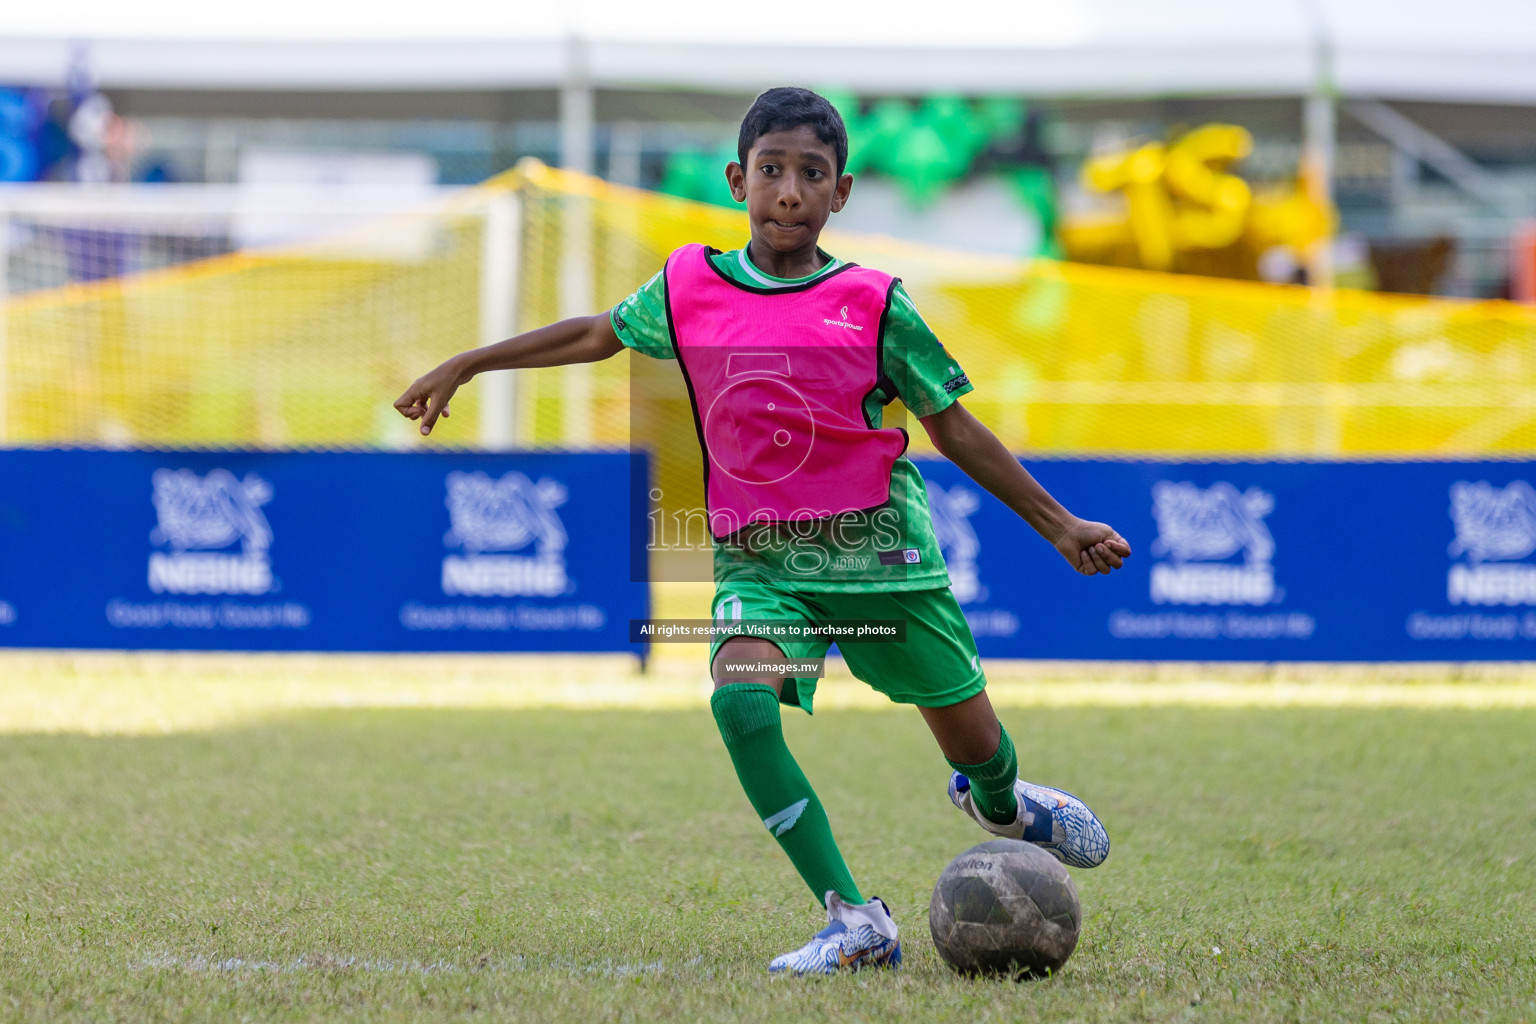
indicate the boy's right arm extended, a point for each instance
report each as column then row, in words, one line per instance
column 582, row 339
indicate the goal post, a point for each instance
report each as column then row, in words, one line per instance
column 499, row 265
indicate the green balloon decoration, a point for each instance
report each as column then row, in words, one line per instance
column 1036, row 190
column 691, row 174
column 1001, row 116
column 847, row 105
column 924, row 165
column 886, row 125
column 963, row 136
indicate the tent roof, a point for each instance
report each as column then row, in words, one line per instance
column 1471, row 50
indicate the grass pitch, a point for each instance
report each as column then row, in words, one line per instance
column 259, row 839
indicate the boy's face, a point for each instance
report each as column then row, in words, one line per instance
column 791, row 186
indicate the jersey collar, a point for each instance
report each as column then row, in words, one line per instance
column 779, row 282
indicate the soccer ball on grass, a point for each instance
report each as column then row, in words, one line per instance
column 1007, row 908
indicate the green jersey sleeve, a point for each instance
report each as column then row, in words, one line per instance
column 927, row 378
column 640, row 321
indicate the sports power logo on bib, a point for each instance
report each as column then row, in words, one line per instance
column 199, row 521
column 842, row 321
column 506, row 515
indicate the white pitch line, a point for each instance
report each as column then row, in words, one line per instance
column 331, row 963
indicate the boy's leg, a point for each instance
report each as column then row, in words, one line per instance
column 977, row 746
column 937, row 669
column 747, row 712
column 1002, row 803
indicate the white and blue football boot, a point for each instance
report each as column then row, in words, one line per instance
column 1052, row 819
column 854, row 938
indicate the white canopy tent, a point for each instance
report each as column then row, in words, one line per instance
column 1319, row 51
column 1473, row 50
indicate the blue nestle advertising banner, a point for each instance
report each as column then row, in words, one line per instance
column 320, row 551
column 1256, row 561
column 525, row 552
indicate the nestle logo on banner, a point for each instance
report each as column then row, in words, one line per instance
column 503, row 516
column 1493, row 525
column 1200, row 531
column 951, row 511
column 198, row 518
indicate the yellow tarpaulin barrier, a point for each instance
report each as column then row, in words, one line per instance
column 306, row 347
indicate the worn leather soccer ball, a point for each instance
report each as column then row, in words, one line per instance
column 1007, row 908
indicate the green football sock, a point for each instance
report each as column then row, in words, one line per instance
column 748, row 717
column 992, row 781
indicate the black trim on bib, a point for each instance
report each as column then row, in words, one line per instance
column 883, row 384
column 682, row 366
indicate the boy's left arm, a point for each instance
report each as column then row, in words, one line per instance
column 964, row 440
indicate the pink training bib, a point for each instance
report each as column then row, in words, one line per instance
column 778, row 380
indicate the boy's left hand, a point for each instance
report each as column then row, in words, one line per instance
column 1092, row 548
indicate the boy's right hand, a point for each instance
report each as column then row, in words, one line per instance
column 427, row 398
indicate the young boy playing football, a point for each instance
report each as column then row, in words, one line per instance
column 789, row 356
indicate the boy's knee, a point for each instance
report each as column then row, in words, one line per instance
column 742, row 708
column 742, row 649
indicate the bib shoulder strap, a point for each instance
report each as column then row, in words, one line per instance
column 690, row 262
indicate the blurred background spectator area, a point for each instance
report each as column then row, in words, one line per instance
column 1345, row 141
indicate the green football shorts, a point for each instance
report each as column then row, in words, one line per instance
column 936, row 666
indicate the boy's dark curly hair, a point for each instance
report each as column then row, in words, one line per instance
column 789, row 107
